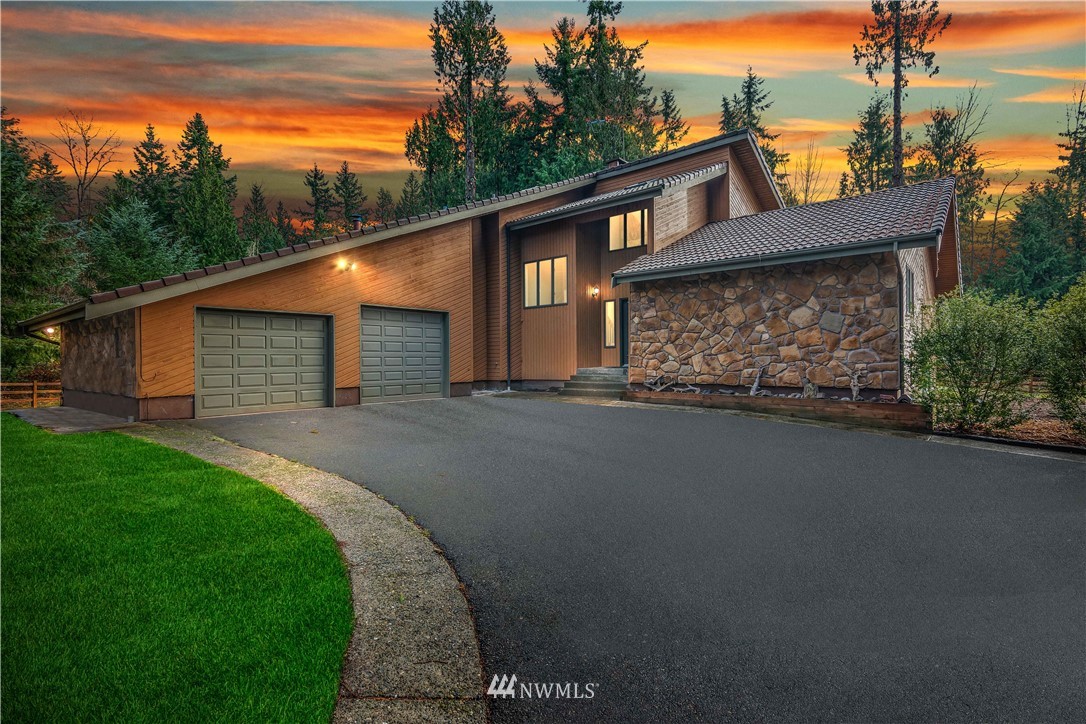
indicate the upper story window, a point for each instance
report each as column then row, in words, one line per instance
column 545, row 282
column 627, row 231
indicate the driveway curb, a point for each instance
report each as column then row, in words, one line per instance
column 413, row 654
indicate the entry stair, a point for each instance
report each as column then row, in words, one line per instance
column 607, row 382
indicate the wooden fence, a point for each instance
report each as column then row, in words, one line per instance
column 15, row 395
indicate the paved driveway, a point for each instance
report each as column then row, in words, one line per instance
column 709, row 566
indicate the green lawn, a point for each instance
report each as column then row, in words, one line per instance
column 140, row 583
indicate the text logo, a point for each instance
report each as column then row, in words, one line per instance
column 504, row 687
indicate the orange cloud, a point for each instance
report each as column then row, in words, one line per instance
column 1055, row 94
column 920, row 80
column 1078, row 74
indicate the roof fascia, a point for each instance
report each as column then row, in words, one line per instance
column 56, row 316
column 650, row 193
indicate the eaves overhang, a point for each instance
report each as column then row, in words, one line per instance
column 603, row 203
column 788, row 257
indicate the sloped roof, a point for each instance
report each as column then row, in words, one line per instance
column 909, row 215
column 641, row 189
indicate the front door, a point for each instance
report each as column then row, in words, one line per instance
column 623, row 332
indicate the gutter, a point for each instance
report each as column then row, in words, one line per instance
column 67, row 313
column 789, row 257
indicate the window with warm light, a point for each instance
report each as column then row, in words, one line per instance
column 626, row 231
column 609, row 323
column 546, row 282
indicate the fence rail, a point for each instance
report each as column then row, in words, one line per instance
column 15, row 395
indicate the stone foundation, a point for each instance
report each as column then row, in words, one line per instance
column 813, row 322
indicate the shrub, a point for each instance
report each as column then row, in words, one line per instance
column 970, row 358
column 1063, row 332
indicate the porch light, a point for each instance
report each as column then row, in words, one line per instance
column 595, row 291
column 344, row 265
column 50, row 330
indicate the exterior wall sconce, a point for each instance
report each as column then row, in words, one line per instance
column 50, row 330
column 595, row 291
column 343, row 265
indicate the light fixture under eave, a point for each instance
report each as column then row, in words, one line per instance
column 50, row 330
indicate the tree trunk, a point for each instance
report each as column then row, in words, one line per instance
column 897, row 176
column 469, row 151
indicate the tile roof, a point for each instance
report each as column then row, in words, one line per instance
column 612, row 197
column 907, row 211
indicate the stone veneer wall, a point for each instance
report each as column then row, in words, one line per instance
column 99, row 355
column 814, row 322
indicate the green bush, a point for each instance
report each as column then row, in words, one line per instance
column 970, row 358
column 1063, row 332
column 23, row 359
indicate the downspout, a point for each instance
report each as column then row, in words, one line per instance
column 508, row 318
column 900, row 324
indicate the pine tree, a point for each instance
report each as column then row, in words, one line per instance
column 429, row 146
column 204, row 215
column 128, row 244
column 154, row 178
column 470, row 62
column 1071, row 173
column 258, row 230
column 1041, row 265
column 672, row 127
column 385, row 210
column 196, row 148
column 411, row 201
column 52, row 187
column 320, row 206
column 870, row 154
column 284, row 224
column 899, row 38
column 745, row 110
column 349, row 197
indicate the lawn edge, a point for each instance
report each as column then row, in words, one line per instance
column 414, row 651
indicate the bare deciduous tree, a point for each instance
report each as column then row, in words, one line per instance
column 85, row 148
column 805, row 183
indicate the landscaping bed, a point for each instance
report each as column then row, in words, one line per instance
column 889, row 415
column 140, row 583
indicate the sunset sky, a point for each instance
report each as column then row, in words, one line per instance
column 285, row 84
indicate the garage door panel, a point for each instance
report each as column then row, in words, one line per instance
column 237, row 378
column 402, row 354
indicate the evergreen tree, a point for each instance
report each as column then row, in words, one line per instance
column 197, row 149
column 899, row 38
column 284, row 224
column 349, row 197
column 870, row 154
column 321, row 206
column 128, row 244
column 411, row 201
column 1042, row 264
column 429, row 146
column 745, row 110
column 470, row 62
column 258, row 230
column 52, row 187
column 386, row 210
column 203, row 214
column 1071, row 173
column 672, row 128
column 154, row 178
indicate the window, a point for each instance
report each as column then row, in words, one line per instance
column 609, row 323
column 545, row 282
column 626, row 231
column 909, row 291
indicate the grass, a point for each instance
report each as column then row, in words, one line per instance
column 142, row 584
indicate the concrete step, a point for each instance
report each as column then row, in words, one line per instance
column 608, row 393
column 576, row 383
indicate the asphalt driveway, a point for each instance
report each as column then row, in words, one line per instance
column 716, row 567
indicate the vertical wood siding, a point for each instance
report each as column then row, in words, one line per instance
column 430, row 269
column 742, row 200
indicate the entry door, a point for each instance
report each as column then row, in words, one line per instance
column 623, row 332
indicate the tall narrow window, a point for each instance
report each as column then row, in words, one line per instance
column 609, row 333
column 626, row 231
column 910, row 298
column 545, row 282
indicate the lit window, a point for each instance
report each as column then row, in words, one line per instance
column 545, row 282
column 626, row 231
column 609, row 323
column 910, row 299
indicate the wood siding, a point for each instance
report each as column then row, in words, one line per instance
column 679, row 213
column 741, row 198
column 548, row 334
column 431, row 269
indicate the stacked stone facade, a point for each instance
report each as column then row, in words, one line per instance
column 814, row 322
